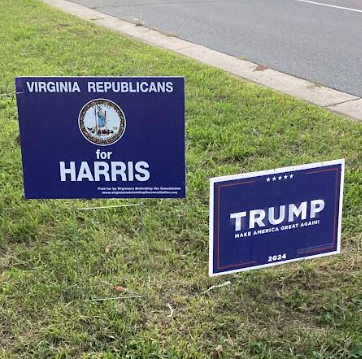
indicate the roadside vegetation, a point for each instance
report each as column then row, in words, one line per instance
column 53, row 264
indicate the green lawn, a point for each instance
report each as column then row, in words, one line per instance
column 305, row 310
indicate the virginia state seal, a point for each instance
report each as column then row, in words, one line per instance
column 102, row 122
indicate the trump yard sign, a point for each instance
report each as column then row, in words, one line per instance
column 102, row 137
column 266, row 218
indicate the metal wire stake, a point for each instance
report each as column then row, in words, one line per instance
column 77, row 256
column 143, row 232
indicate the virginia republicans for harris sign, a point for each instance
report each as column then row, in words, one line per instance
column 267, row 218
column 93, row 137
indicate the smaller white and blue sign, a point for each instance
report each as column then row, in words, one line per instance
column 266, row 218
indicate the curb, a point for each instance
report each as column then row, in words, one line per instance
column 333, row 100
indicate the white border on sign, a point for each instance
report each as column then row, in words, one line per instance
column 264, row 173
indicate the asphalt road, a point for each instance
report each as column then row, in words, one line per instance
column 320, row 41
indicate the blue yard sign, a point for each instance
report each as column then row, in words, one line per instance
column 102, row 137
column 266, row 218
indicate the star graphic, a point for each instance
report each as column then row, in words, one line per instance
column 268, row 179
column 280, row 177
column 285, row 177
column 274, row 178
column 291, row 176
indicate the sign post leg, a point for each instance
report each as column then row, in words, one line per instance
column 146, row 250
column 77, row 256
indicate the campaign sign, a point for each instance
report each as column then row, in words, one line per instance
column 266, row 218
column 102, row 137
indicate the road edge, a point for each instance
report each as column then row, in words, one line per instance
column 333, row 100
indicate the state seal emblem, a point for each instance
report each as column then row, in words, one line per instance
column 102, row 122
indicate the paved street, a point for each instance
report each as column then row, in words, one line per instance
column 317, row 41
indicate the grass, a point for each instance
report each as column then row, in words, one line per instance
column 51, row 263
